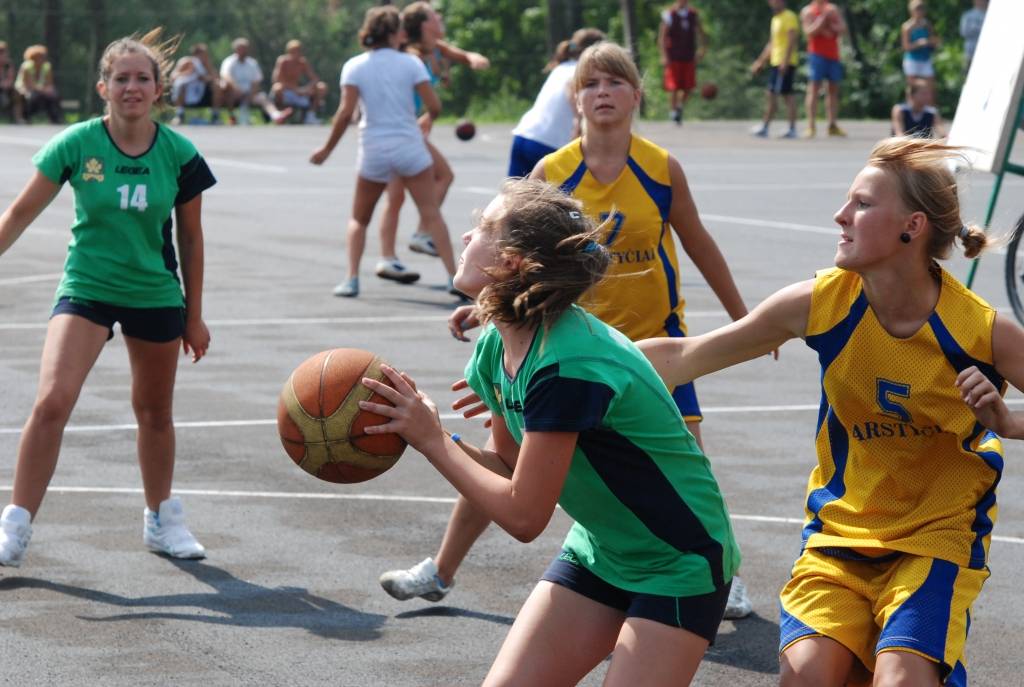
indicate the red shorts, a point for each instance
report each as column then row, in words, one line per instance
column 680, row 76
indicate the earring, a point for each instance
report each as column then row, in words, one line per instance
column 905, row 237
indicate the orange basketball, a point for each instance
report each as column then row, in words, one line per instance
column 709, row 91
column 321, row 424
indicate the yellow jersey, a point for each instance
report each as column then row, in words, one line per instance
column 639, row 295
column 903, row 464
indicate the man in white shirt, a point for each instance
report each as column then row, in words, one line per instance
column 240, row 79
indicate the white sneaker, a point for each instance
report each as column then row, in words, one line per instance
column 348, row 288
column 420, row 580
column 15, row 533
column 422, row 243
column 393, row 269
column 311, row 118
column 165, row 531
column 738, row 605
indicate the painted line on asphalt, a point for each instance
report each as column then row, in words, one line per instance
column 291, row 321
column 221, row 424
column 249, row 166
column 771, row 224
column 31, row 278
column 392, row 498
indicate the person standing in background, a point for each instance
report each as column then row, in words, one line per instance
column 682, row 44
column 823, row 24
column 970, row 29
column 781, row 53
column 917, row 36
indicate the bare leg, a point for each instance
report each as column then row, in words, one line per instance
column 652, row 653
column 816, row 662
column 423, row 191
column 465, row 525
column 557, row 638
column 812, row 104
column 393, row 201
column 694, row 428
column 72, row 345
column 791, row 109
column 769, row 111
column 905, row 668
column 366, row 197
column 154, row 366
column 832, row 103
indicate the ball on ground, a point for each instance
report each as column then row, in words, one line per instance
column 465, row 130
column 709, row 91
column 321, row 425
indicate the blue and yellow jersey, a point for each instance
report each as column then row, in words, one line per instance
column 639, row 296
column 903, row 465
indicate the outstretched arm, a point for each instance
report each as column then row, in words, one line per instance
column 473, row 60
column 781, row 317
column 32, row 200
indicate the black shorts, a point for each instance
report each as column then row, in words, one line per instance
column 782, row 85
column 158, row 325
column 700, row 615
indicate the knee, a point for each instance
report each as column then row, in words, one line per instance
column 53, row 407
column 153, row 416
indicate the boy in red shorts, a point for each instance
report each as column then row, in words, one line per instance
column 682, row 43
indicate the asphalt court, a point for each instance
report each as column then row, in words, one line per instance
column 289, row 594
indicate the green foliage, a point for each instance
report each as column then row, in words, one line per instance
column 512, row 33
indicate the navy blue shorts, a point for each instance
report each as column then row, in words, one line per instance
column 158, row 325
column 525, row 156
column 700, row 615
column 824, row 69
column 780, row 84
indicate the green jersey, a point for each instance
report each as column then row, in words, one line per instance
column 121, row 251
column 649, row 515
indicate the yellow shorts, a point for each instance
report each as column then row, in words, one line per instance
column 908, row 603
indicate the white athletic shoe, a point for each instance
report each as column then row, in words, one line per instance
column 738, row 605
column 422, row 243
column 393, row 269
column 420, row 580
column 15, row 533
column 165, row 531
column 348, row 288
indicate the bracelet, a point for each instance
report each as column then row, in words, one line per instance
column 455, row 437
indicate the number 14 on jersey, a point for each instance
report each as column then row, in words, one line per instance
column 133, row 199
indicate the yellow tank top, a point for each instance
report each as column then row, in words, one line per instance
column 903, row 465
column 640, row 294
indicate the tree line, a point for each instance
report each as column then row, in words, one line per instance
column 517, row 36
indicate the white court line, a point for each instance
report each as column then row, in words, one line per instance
column 218, row 424
column 334, row 496
column 289, row 321
column 747, row 221
column 799, row 186
column 23, row 141
column 252, row 166
column 31, row 278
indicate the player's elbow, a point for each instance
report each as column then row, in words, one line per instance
column 526, row 526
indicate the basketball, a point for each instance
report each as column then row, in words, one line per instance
column 320, row 422
column 709, row 91
column 465, row 130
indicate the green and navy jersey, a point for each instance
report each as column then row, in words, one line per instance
column 649, row 515
column 121, row 251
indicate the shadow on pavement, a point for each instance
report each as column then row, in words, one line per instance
column 449, row 612
column 752, row 645
column 233, row 602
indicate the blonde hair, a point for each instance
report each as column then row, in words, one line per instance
column 159, row 52
column 560, row 258
column 35, row 50
column 926, row 184
column 610, row 58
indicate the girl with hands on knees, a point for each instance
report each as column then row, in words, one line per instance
column 580, row 419
column 129, row 175
column 901, row 505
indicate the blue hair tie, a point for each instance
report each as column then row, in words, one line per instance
column 591, row 247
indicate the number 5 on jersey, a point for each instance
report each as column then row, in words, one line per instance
column 135, row 199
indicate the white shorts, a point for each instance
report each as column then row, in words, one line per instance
column 380, row 161
column 194, row 89
column 918, row 69
column 292, row 99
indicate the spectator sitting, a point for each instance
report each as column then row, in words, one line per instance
column 6, row 80
column 34, row 89
column 916, row 117
column 194, row 84
column 241, row 78
column 288, row 89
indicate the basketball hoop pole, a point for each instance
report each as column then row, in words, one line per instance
column 1007, row 166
